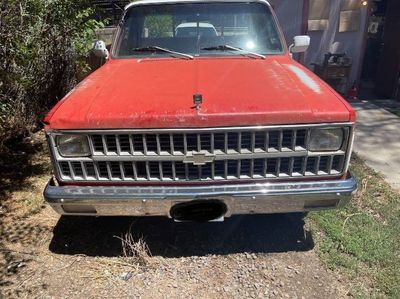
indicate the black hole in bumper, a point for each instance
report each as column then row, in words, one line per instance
column 198, row 210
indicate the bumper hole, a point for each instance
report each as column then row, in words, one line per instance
column 198, row 210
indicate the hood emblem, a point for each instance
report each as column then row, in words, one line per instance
column 199, row 158
column 197, row 101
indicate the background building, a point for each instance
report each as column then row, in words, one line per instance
column 368, row 32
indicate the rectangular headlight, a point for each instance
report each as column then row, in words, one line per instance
column 326, row 139
column 73, row 145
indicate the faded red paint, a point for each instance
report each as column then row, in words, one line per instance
column 237, row 91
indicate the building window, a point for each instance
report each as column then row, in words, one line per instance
column 318, row 17
column 350, row 15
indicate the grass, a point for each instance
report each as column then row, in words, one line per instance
column 135, row 251
column 362, row 241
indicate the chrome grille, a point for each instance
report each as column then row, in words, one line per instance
column 237, row 153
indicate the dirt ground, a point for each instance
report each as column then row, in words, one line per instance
column 43, row 255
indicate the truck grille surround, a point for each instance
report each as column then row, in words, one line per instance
column 196, row 155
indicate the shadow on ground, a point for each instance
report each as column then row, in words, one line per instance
column 238, row 234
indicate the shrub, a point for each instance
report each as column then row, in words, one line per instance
column 43, row 46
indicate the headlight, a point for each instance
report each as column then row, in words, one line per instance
column 328, row 139
column 73, row 145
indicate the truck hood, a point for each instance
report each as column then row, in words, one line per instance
column 158, row 93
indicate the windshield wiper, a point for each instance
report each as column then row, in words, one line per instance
column 232, row 48
column 165, row 50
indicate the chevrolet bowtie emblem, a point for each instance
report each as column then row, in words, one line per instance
column 199, row 158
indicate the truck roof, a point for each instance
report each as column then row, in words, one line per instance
column 149, row 2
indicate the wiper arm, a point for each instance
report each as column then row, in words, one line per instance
column 160, row 49
column 232, row 48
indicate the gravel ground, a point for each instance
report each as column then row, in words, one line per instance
column 243, row 257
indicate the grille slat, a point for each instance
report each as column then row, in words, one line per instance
column 148, row 176
column 304, row 166
column 186, row 172
column 317, row 163
column 293, row 140
column 135, row 175
column 103, row 139
column 265, row 167
column 109, row 175
column 228, row 155
column 122, row 171
column 85, row 176
column 144, row 144
column 173, row 171
column 291, row 164
column 171, row 142
column 185, row 147
column 199, row 142
column 253, row 141
column 226, row 169
column 278, row 166
column 118, row 144
column 160, row 169
column 330, row 161
column 131, row 150
column 239, row 142
column 158, row 144
column 212, row 143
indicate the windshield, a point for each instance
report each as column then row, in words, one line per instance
column 198, row 29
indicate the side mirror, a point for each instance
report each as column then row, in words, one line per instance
column 300, row 44
column 100, row 49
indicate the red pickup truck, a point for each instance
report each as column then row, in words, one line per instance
column 200, row 113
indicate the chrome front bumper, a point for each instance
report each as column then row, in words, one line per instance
column 256, row 198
